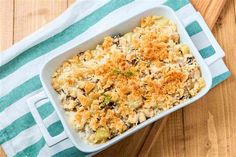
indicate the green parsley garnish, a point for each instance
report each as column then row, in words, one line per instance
column 116, row 71
column 125, row 73
column 128, row 73
column 107, row 100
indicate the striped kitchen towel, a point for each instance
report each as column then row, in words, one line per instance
column 20, row 65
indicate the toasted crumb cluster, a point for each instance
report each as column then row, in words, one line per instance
column 127, row 79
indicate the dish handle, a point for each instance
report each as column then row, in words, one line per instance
column 32, row 102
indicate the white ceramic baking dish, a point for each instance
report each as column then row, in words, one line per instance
column 124, row 27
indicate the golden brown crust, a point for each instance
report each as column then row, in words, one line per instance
column 127, row 79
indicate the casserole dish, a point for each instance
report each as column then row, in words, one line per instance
column 122, row 28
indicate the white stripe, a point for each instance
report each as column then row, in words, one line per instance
column 8, row 149
column 218, row 68
column 200, row 40
column 88, row 8
column 26, row 138
column 185, row 11
column 33, row 67
column 44, row 152
column 52, row 118
column 189, row 19
column 15, row 111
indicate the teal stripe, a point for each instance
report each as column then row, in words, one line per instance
column 19, row 92
column 176, row 4
column 33, row 150
column 55, row 128
column 220, row 78
column 207, row 52
column 45, row 110
column 193, row 28
column 61, row 38
column 21, row 124
column 70, row 152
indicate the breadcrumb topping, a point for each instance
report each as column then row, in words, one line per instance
column 127, row 79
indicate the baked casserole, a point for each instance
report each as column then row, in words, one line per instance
column 127, row 79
